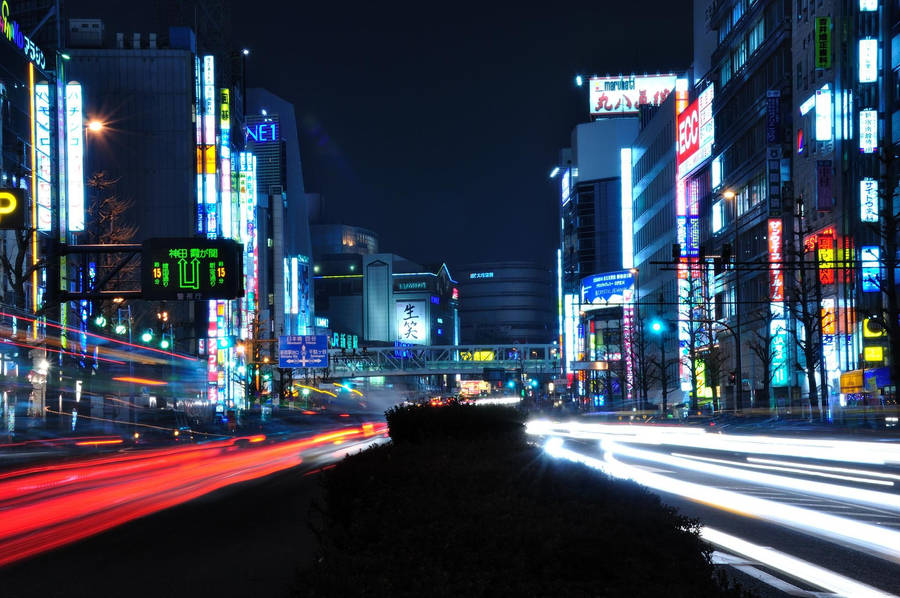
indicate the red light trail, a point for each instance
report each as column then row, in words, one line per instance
column 48, row 506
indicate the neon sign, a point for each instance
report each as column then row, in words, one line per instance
column 15, row 35
column 776, row 277
column 75, row 157
column 12, row 209
column 261, row 132
column 868, row 200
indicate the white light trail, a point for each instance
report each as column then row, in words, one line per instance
column 797, row 568
column 877, row 474
column 880, row 541
column 873, row 453
column 883, row 500
column 791, row 469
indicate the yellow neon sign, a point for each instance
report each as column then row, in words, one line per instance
column 873, row 353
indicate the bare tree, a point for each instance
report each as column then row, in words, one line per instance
column 109, row 223
column 15, row 266
column 803, row 302
column 761, row 346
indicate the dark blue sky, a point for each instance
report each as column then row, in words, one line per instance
column 436, row 125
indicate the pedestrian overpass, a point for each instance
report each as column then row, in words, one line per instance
column 533, row 359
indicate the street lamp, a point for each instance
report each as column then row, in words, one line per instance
column 95, row 126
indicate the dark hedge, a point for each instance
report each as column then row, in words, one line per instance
column 457, row 515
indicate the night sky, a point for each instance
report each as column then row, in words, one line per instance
column 437, row 125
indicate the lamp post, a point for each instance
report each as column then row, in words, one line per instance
column 739, row 377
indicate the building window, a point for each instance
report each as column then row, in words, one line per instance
column 757, row 35
column 737, row 11
column 725, row 73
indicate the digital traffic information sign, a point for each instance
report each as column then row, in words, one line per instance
column 192, row 268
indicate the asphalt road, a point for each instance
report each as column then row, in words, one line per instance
column 242, row 539
column 833, row 504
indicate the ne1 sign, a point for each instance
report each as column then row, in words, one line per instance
column 309, row 351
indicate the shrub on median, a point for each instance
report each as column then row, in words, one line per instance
column 455, row 514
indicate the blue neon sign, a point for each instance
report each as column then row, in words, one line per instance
column 262, row 132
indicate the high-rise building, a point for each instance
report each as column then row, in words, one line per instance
column 596, row 230
column 844, row 115
column 732, row 174
column 654, row 230
column 506, row 302
column 271, row 134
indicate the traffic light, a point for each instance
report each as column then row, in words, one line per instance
column 732, row 377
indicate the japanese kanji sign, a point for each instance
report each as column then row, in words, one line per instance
column 189, row 269
column 412, row 323
column 624, row 95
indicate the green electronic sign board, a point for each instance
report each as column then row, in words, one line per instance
column 192, row 268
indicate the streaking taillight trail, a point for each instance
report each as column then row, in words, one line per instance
column 48, row 506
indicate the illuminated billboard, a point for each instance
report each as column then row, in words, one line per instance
column 412, row 322
column 870, row 260
column 868, row 200
column 12, row 209
column 868, row 130
column 623, row 95
column 823, row 114
column 609, row 288
column 566, row 186
column 868, row 60
column 74, row 157
column 42, row 156
column 695, row 132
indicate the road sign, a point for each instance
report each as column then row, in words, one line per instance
column 192, row 268
column 310, row 351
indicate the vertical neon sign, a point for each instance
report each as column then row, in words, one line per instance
column 42, row 141
column 75, row 157
column 225, row 162
column 777, row 323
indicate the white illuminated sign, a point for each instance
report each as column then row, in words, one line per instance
column 74, row 157
column 412, row 323
column 868, row 5
column 868, row 60
column 868, row 130
column 42, row 155
column 295, row 280
column 716, row 172
column 624, row 95
column 627, row 223
column 868, row 200
column 823, row 114
column 566, row 186
column 481, row 275
column 808, row 105
column 718, row 216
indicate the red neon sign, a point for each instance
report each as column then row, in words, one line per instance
column 776, row 275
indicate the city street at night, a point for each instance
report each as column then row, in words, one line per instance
column 389, row 299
